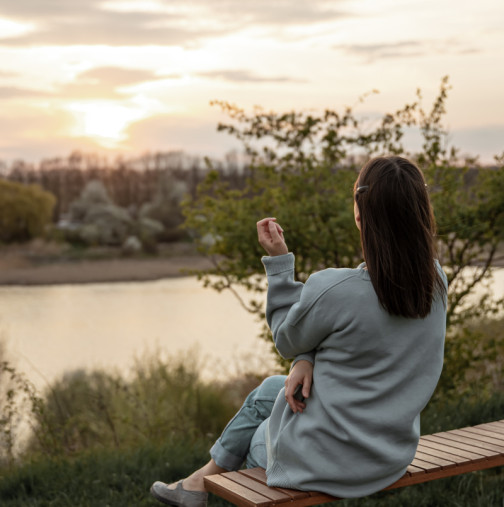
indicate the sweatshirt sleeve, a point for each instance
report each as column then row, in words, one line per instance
column 292, row 314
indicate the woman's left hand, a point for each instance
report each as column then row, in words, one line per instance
column 301, row 374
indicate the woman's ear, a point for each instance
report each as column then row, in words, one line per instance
column 357, row 216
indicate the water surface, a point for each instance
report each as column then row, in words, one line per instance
column 52, row 329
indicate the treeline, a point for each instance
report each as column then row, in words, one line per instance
column 130, row 182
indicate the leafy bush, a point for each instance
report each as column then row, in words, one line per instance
column 474, row 360
column 160, row 400
column 96, row 220
column 302, row 169
column 165, row 207
column 25, row 211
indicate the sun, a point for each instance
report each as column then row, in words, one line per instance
column 103, row 121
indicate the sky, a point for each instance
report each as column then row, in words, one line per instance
column 137, row 76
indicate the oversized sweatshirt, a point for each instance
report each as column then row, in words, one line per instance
column 373, row 374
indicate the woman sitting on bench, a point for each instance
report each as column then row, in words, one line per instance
column 367, row 345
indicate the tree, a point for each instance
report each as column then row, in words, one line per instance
column 101, row 222
column 302, row 168
column 25, row 211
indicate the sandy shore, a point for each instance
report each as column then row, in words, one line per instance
column 18, row 268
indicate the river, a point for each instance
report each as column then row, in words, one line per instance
column 53, row 329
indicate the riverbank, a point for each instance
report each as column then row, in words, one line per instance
column 40, row 263
column 43, row 264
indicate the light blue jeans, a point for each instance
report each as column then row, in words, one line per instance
column 243, row 439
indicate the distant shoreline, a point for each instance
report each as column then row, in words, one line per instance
column 19, row 269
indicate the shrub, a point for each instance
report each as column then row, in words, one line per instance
column 25, row 211
column 160, row 400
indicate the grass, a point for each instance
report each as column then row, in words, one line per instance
column 122, row 477
column 106, row 477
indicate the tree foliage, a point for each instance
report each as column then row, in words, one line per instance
column 25, row 211
column 302, row 167
column 98, row 221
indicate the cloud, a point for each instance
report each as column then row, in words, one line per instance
column 4, row 74
column 278, row 13
column 241, row 76
column 14, row 92
column 373, row 52
column 174, row 22
column 102, row 82
column 117, row 76
column 96, row 83
column 405, row 49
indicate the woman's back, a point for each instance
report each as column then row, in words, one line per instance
column 373, row 374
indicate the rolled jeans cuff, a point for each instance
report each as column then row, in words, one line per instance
column 225, row 459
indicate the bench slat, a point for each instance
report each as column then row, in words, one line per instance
column 449, row 472
column 459, row 445
column 412, row 470
column 426, row 465
column 259, row 475
column 479, row 437
column 430, row 458
column 458, row 455
column 486, row 433
column 497, row 426
column 235, row 493
column 262, row 489
column 467, row 440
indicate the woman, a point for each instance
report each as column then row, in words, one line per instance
column 368, row 348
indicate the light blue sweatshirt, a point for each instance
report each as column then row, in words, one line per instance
column 373, row 374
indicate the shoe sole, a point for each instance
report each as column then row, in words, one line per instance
column 162, row 499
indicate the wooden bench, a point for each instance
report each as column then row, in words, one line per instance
column 439, row 455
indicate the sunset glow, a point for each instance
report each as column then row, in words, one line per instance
column 139, row 75
column 11, row 28
column 104, row 122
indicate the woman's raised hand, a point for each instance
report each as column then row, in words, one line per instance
column 270, row 236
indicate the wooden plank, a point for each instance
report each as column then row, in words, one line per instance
column 233, row 492
column 459, row 456
column 470, row 441
column 459, row 445
column 425, row 465
column 478, row 436
column 486, row 433
column 272, row 493
column 412, row 470
column 434, row 459
column 449, row 472
column 496, row 423
column 444, row 451
column 259, row 475
column 497, row 426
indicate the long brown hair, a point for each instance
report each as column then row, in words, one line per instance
column 397, row 235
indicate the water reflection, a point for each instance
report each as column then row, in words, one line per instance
column 55, row 328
